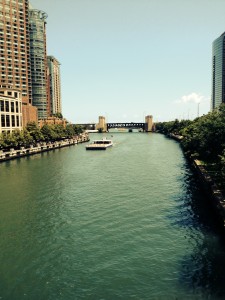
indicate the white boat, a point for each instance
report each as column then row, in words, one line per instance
column 100, row 144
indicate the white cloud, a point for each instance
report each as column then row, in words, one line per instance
column 192, row 98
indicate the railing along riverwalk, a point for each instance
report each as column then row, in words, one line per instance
column 42, row 147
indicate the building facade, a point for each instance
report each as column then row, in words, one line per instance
column 23, row 63
column 10, row 110
column 55, row 85
column 218, row 72
column 15, row 69
column 38, row 56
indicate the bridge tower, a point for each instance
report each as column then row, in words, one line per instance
column 101, row 124
column 148, row 123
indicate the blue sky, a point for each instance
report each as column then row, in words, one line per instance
column 125, row 59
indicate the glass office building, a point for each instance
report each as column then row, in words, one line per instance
column 38, row 57
column 218, row 72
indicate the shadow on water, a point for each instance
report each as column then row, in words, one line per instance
column 202, row 269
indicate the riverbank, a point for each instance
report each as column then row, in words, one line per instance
column 215, row 195
column 211, row 190
column 42, row 147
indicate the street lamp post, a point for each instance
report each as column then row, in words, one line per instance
column 198, row 108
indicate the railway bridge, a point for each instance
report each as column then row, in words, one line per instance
column 104, row 127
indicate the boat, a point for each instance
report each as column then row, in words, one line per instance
column 100, row 144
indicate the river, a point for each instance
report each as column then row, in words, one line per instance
column 126, row 223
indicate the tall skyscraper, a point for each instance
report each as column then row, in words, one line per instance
column 14, row 47
column 24, row 73
column 38, row 56
column 15, row 71
column 218, row 72
column 55, row 85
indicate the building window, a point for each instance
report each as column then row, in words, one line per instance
column 2, row 105
column 12, row 107
column 7, row 121
column 7, row 106
column 13, row 121
column 17, row 106
column 3, row 120
column 17, row 121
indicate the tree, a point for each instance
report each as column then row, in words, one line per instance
column 59, row 131
column 78, row 129
column 48, row 133
column 34, row 131
column 58, row 115
column 69, row 131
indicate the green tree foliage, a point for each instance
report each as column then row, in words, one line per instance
column 78, row 129
column 69, row 131
column 59, row 131
column 34, row 131
column 174, row 127
column 2, row 141
column 48, row 132
column 32, row 134
column 204, row 137
column 58, row 115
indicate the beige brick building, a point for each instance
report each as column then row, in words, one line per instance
column 15, row 68
column 55, row 85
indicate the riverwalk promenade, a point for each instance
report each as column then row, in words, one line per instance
column 42, row 147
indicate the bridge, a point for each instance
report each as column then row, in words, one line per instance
column 104, row 127
column 131, row 125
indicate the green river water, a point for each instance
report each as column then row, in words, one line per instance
column 126, row 223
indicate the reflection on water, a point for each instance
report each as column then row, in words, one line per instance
column 129, row 222
column 202, row 270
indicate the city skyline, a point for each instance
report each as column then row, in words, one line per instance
column 128, row 59
column 30, row 87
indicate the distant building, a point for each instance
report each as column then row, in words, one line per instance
column 149, row 123
column 52, row 121
column 10, row 110
column 15, row 71
column 38, row 56
column 55, row 85
column 218, row 72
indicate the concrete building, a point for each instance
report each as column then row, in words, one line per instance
column 101, row 125
column 218, row 72
column 10, row 110
column 15, row 71
column 55, row 85
column 149, row 123
column 52, row 121
column 38, row 56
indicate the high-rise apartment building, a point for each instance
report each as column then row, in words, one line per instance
column 218, row 72
column 15, row 70
column 38, row 57
column 55, row 85
column 24, row 72
column 14, row 47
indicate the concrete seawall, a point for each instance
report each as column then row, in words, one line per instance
column 212, row 192
column 42, row 147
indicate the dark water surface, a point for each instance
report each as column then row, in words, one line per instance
column 126, row 223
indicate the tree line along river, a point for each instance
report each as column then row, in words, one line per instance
column 127, row 223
